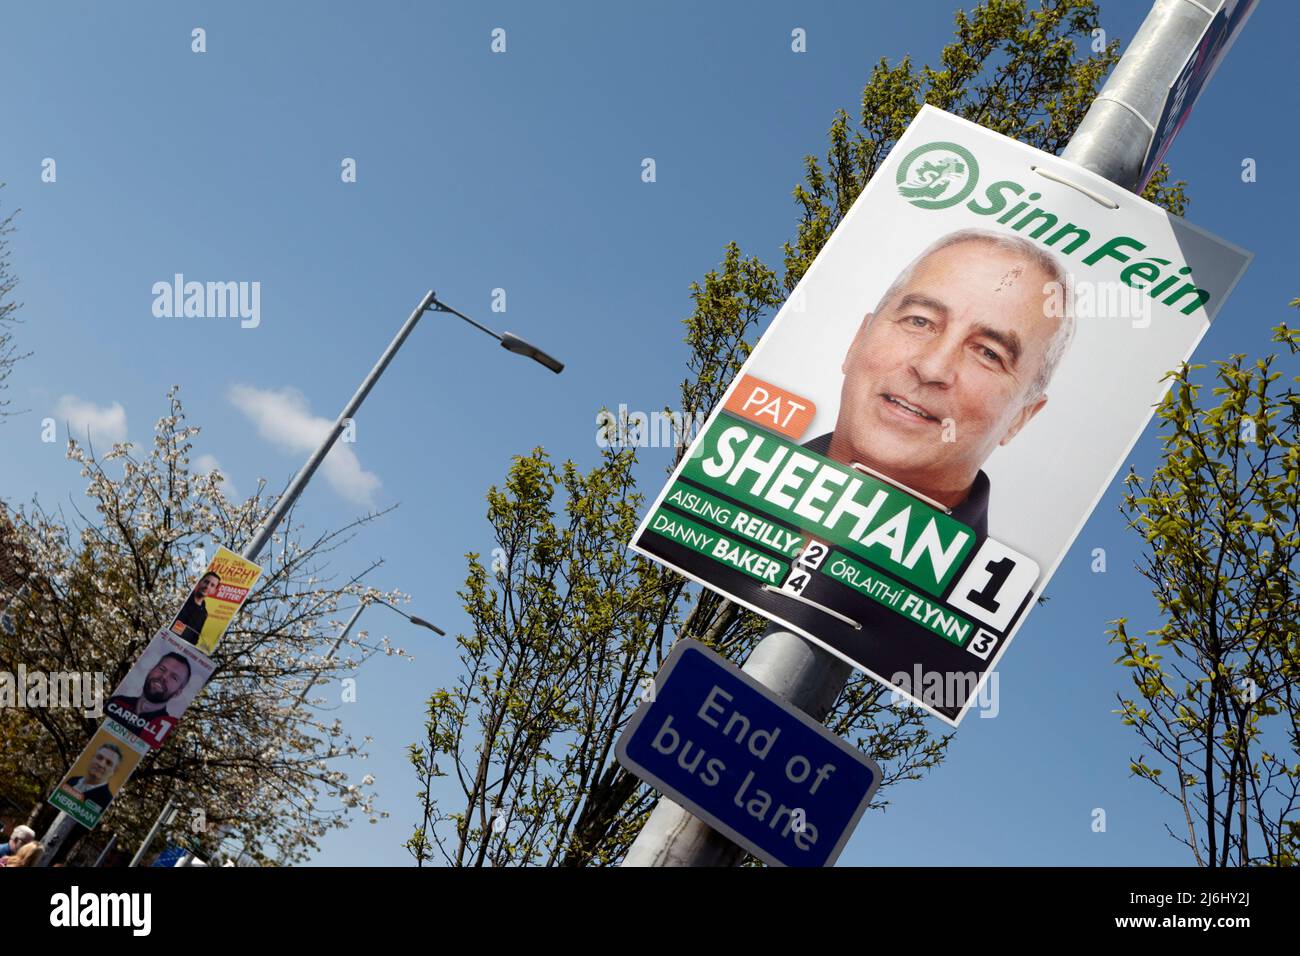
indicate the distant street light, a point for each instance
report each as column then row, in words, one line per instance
column 338, row 641
column 421, row 622
column 163, row 819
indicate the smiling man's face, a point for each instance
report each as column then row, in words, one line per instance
column 962, row 340
column 167, row 679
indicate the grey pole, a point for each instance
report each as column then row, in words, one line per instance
column 338, row 642
column 304, row 475
column 103, row 854
column 1112, row 141
column 55, row 836
column 153, row 832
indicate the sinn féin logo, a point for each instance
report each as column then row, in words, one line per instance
column 937, row 175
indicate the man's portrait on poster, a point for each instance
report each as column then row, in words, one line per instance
column 954, row 360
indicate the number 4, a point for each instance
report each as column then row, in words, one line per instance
column 796, row 581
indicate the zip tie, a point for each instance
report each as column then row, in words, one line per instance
column 813, row 604
column 1091, row 194
column 1118, row 102
column 938, row 506
column 1203, row 9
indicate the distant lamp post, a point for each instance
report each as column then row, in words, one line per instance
column 342, row 635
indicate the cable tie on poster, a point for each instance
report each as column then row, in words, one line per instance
column 1132, row 109
column 1204, row 9
column 813, row 604
column 1091, row 194
column 938, row 506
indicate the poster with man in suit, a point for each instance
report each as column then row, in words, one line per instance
column 214, row 600
column 96, row 776
column 914, row 443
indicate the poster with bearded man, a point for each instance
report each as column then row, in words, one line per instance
column 158, row 688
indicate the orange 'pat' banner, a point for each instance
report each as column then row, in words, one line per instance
column 777, row 409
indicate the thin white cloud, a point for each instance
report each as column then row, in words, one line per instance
column 205, row 464
column 106, row 424
column 284, row 418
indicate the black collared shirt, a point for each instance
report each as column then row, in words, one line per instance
column 140, row 707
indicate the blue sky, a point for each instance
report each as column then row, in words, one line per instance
column 522, row 171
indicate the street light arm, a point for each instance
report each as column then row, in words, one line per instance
column 419, row 621
column 509, row 341
column 347, row 628
column 439, row 306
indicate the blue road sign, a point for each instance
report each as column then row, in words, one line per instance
column 756, row 769
column 169, row 856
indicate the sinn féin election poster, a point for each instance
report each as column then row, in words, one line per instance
column 916, row 440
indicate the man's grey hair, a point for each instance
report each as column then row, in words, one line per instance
column 1038, row 256
column 24, row 833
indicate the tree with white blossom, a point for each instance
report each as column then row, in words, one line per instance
column 246, row 762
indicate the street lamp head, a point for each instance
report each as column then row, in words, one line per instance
column 517, row 345
column 508, row 340
column 423, row 623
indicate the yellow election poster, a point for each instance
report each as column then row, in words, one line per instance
column 98, row 774
column 216, row 597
